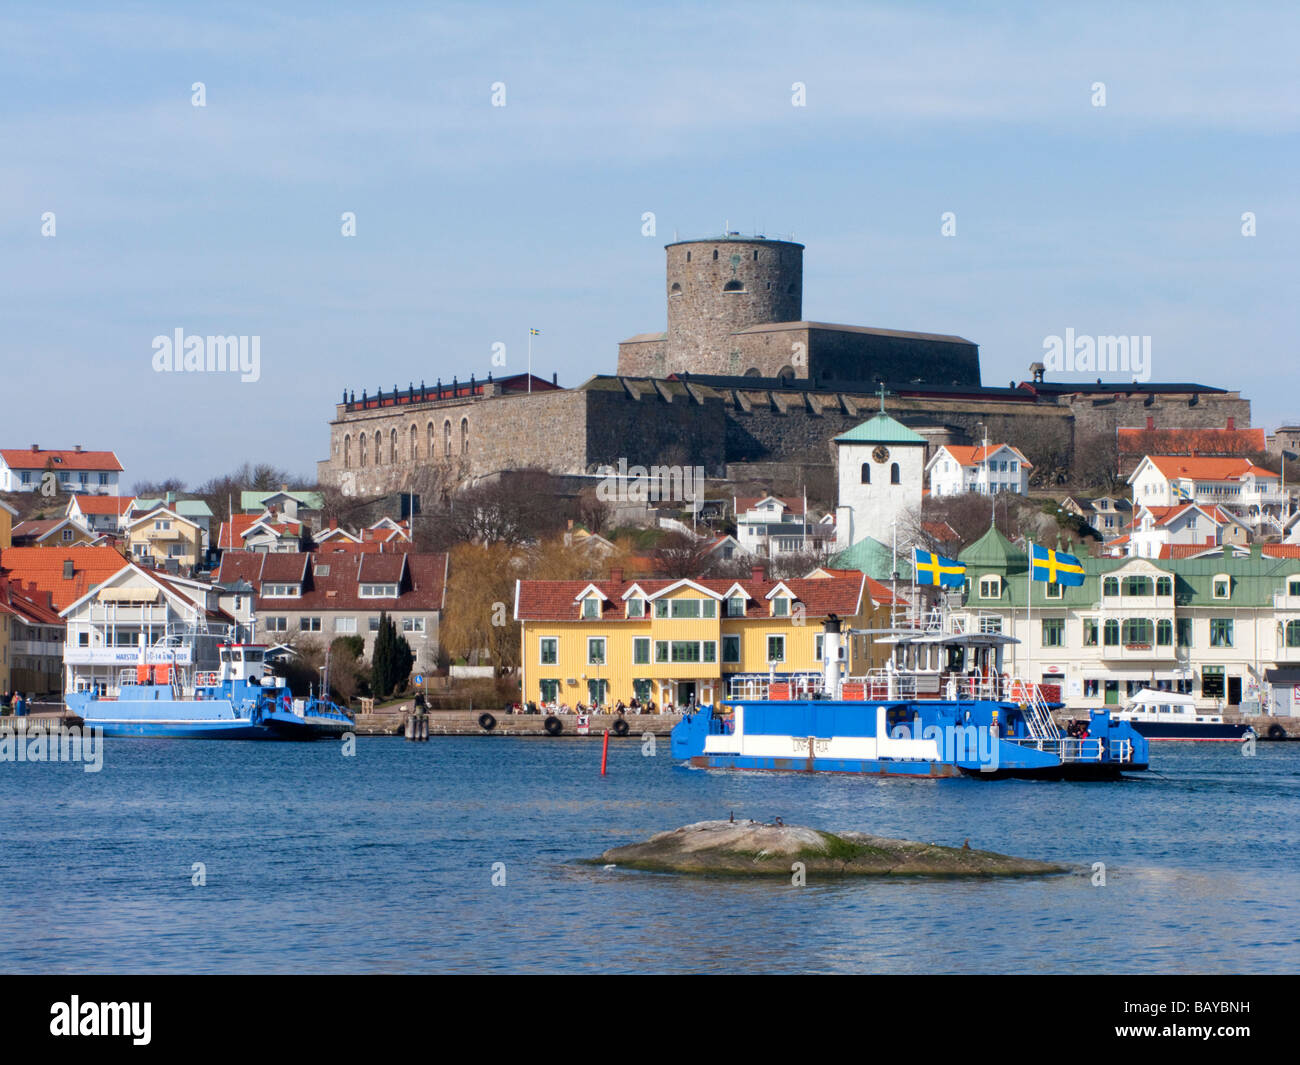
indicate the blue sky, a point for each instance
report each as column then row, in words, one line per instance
column 476, row 222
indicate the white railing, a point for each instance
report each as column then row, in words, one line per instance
column 789, row 686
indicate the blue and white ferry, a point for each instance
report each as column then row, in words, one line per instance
column 235, row 701
column 965, row 716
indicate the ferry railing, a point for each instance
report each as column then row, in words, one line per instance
column 881, row 684
column 782, row 686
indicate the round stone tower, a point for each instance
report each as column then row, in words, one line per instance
column 718, row 286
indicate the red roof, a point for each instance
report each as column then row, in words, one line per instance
column 556, row 600
column 27, row 459
column 969, row 456
column 27, row 602
column 44, row 566
column 1207, row 469
column 1202, row 442
column 744, row 503
column 1282, row 550
column 116, row 505
column 332, row 580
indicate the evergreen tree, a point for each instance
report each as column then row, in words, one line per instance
column 392, row 659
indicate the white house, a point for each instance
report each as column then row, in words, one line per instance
column 955, row 469
column 100, row 514
column 770, row 525
column 1157, row 529
column 1248, row 491
column 93, row 472
column 106, row 626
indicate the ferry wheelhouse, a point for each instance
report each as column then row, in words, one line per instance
column 941, row 706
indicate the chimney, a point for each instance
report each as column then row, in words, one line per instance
column 284, row 488
column 1232, row 423
column 76, row 448
column 334, row 523
column 36, row 447
column 616, row 575
column 1151, row 423
column 758, row 573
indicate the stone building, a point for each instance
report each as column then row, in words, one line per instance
column 739, row 384
column 735, row 308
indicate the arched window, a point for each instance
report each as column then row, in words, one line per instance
column 379, row 448
column 415, row 443
column 894, row 477
column 715, row 255
column 347, row 452
column 866, row 473
column 464, row 436
column 1110, row 586
column 431, row 449
column 392, row 447
column 688, row 256
column 362, row 440
column 446, row 439
column 734, row 286
column 676, row 290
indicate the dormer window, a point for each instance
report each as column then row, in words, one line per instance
column 736, row 605
column 991, row 587
column 636, row 608
column 1054, row 591
column 1222, row 586
column 780, row 607
column 281, row 591
column 379, row 591
column 591, row 608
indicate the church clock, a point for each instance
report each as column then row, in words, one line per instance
column 881, row 454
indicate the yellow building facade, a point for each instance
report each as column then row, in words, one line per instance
column 672, row 643
column 161, row 535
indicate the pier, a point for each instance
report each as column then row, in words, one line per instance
column 467, row 723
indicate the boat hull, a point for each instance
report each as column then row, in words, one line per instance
column 913, row 770
column 1223, row 733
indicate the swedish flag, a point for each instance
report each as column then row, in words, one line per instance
column 534, row 332
column 935, row 569
column 1055, row 567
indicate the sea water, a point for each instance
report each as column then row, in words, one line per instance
column 463, row 854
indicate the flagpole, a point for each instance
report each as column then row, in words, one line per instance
column 530, row 360
column 1029, row 614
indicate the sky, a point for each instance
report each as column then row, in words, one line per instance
column 476, row 222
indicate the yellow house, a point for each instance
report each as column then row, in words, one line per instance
column 7, row 515
column 673, row 642
column 162, row 534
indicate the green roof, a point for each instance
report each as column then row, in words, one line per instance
column 873, row 558
column 994, row 551
column 1253, row 580
column 250, row 500
column 882, row 429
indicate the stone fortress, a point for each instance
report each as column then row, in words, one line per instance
column 739, row 384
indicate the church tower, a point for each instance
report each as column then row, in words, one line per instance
column 881, row 466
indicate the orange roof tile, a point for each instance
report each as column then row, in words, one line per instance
column 44, row 566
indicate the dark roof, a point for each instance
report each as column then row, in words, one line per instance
column 1058, row 388
column 421, row 579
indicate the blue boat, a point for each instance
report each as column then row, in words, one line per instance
column 987, row 725
column 236, row 701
